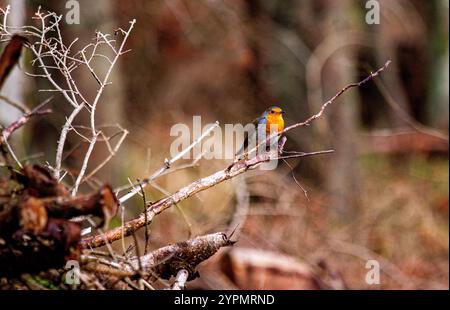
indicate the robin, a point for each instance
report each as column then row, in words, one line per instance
column 269, row 123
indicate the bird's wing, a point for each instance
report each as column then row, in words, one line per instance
column 259, row 120
column 251, row 134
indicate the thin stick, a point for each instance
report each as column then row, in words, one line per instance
column 22, row 108
column 182, row 194
column 302, row 154
column 323, row 108
column 167, row 164
column 52, row 55
column 305, row 192
column 112, row 153
column 84, row 166
column 180, row 280
column 146, row 220
column 62, row 140
column 105, row 82
column 11, row 152
column 6, row 133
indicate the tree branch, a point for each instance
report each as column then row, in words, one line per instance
column 167, row 165
column 165, row 262
column 38, row 111
column 180, row 280
column 154, row 209
column 237, row 168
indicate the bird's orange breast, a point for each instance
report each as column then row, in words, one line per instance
column 274, row 120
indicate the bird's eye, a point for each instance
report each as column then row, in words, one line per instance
column 272, row 111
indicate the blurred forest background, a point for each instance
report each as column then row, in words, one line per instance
column 382, row 195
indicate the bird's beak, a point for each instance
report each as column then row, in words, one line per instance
column 282, row 112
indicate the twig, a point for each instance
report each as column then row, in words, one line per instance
column 182, row 194
column 242, row 207
column 305, row 191
column 144, row 199
column 319, row 114
column 304, row 154
column 22, row 108
column 167, row 261
column 162, row 263
column 62, row 140
column 6, row 133
column 180, row 280
column 167, row 164
column 54, row 58
column 406, row 117
column 112, row 153
column 85, row 163
column 104, row 83
column 11, row 152
column 177, row 206
column 192, row 164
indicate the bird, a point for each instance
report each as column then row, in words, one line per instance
column 272, row 118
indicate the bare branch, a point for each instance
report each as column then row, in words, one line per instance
column 319, row 114
column 112, row 153
column 54, row 58
column 182, row 194
column 84, row 166
column 180, row 260
column 62, row 140
column 22, row 108
column 38, row 111
column 167, row 164
column 167, row 261
column 180, row 280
